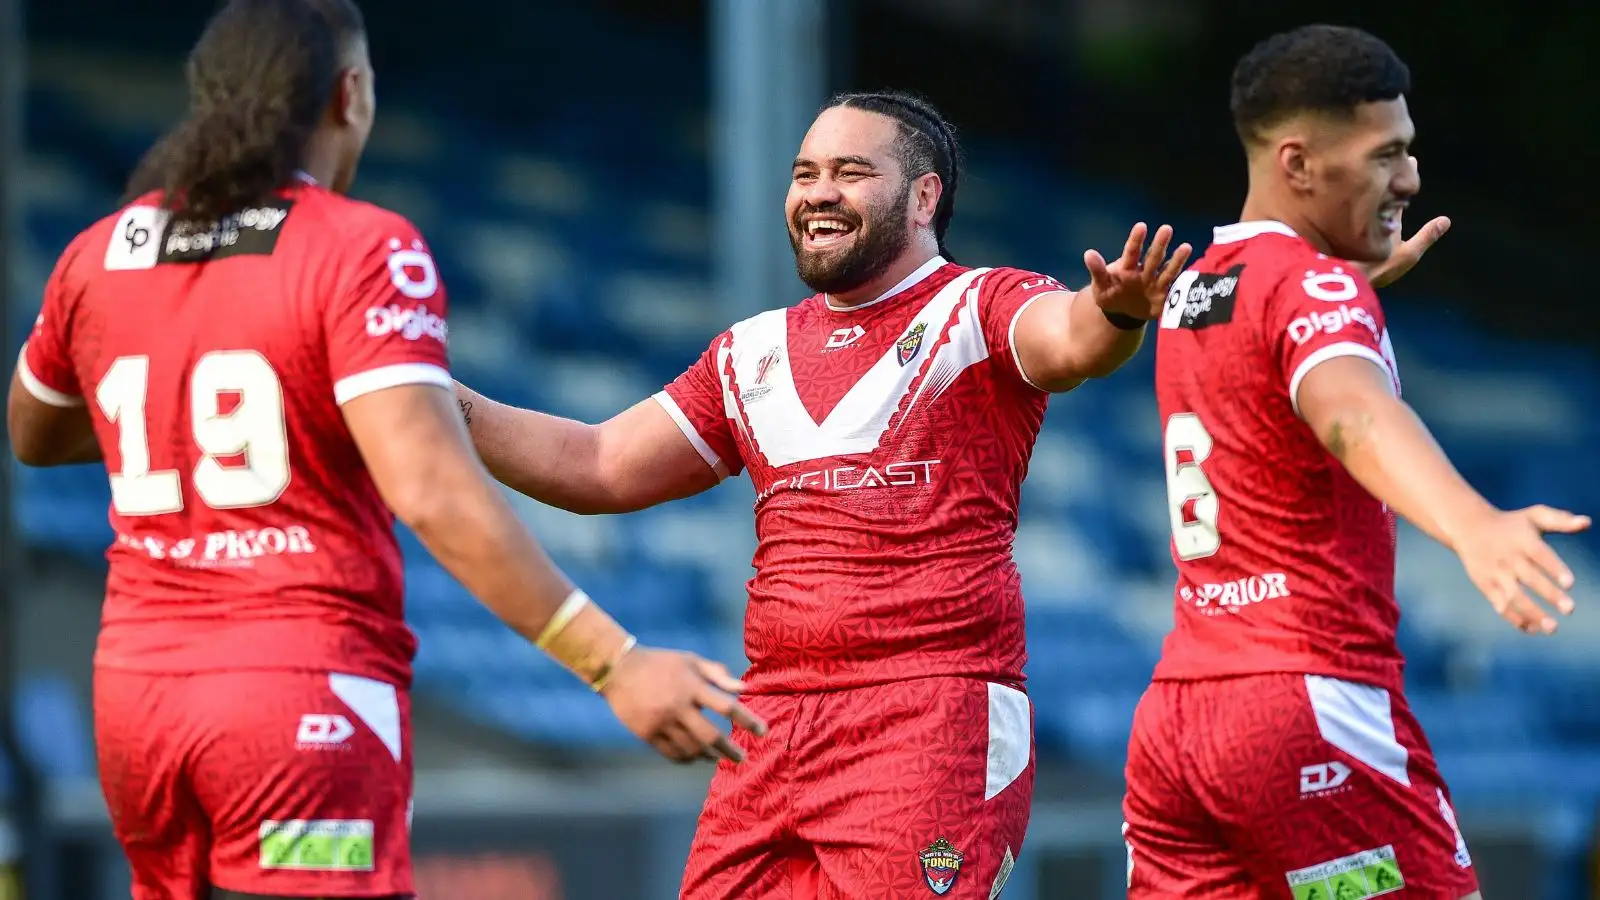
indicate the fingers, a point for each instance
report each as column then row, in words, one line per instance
column 1174, row 267
column 1429, row 234
column 718, row 674
column 1506, row 596
column 710, row 742
column 1534, row 579
column 726, row 706
column 676, row 744
column 1551, row 564
column 1528, row 617
column 691, row 745
column 1157, row 252
column 725, row 748
column 1409, row 252
column 1098, row 274
column 1546, row 518
column 1135, row 244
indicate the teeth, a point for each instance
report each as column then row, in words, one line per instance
column 817, row 226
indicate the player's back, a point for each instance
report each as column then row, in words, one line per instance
column 1285, row 563
column 213, row 360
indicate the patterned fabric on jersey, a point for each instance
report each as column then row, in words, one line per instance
column 1285, row 563
column 248, row 532
column 887, row 445
column 1286, row 787
column 293, row 784
column 894, row 792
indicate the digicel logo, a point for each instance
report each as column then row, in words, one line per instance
column 1331, row 322
column 411, row 324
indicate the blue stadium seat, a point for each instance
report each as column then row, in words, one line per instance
column 1542, row 777
column 649, row 595
column 559, row 716
column 53, row 728
column 1566, row 695
column 1091, row 724
column 1476, row 721
column 1427, row 657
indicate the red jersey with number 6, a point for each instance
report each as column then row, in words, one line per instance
column 1285, row 563
column 213, row 359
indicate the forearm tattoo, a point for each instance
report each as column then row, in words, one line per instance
column 466, row 409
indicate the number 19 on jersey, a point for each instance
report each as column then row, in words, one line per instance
column 1192, row 503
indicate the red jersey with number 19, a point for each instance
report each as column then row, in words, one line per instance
column 1285, row 563
column 213, row 361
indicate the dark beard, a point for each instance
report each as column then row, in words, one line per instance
column 879, row 242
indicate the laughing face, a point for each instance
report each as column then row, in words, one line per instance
column 1362, row 177
column 849, row 206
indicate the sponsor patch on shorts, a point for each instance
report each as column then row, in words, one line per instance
column 1370, row 873
column 317, row 845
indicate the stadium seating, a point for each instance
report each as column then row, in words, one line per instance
column 574, row 257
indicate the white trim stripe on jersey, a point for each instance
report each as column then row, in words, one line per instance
column 1011, row 336
column 1244, row 231
column 1359, row 719
column 352, row 386
column 1334, row 351
column 778, row 421
column 42, row 392
column 689, row 431
column 967, row 347
column 1010, row 738
column 375, row 703
column 923, row 271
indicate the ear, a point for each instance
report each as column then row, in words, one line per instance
column 1296, row 162
column 925, row 193
column 348, row 94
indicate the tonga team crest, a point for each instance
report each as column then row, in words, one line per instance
column 941, row 863
column 908, row 345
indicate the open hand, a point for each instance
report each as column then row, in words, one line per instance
column 662, row 695
column 1406, row 254
column 1131, row 286
column 1506, row 556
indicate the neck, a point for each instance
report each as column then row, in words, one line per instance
column 322, row 161
column 1268, row 200
column 913, row 259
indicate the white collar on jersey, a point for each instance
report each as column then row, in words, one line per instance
column 1243, row 231
column 926, row 269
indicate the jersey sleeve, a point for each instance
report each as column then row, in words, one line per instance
column 1323, row 311
column 696, row 402
column 387, row 326
column 1006, row 294
column 45, row 365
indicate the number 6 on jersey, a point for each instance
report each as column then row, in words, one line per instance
column 1192, row 503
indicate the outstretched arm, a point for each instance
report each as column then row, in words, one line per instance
column 636, row 459
column 1065, row 337
column 1351, row 405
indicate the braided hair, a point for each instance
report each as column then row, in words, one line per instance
column 924, row 143
column 259, row 79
